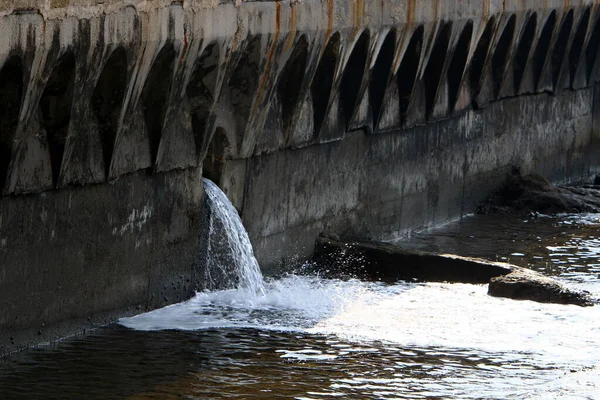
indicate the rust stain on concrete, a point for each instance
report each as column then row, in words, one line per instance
column 486, row 10
column 411, row 9
column 271, row 52
column 359, row 13
column 292, row 29
column 436, row 8
column 329, row 17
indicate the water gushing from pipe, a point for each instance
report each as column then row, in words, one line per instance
column 230, row 259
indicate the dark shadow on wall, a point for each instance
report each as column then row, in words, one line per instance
column 458, row 64
column 290, row 83
column 543, row 46
column 107, row 101
column 155, row 96
column 323, row 81
column 11, row 94
column 353, row 76
column 409, row 67
column 381, row 74
column 435, row 65
column 479, row 58
column 219, row 150
column 593, row 47
column 55, row 104
column 501, row 53
column 578, row 42
column 201, row 92
column 523, row 51
column 560, row 47
column 245, row 79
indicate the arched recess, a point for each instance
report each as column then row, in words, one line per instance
column 435, row 65
column 380, row 74
column 578, row 42
column 219, row 150
column 290, row 82
column 56, row 103
column 409, row 67
column 500, row 57
column 11, row 94
column 323, row 80
column 593, row 47
column 458, row 63
column 201, row 91
column 543, row 45
column 560, row 46
column 107, row 100
column 353, row 75
column 245, row 79
column 523, row 51
column 155, row 95
column 479, row 58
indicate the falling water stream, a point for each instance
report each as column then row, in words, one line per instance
column 226, row 234
column 306, row 337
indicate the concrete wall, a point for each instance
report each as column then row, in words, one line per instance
column 362, row 117
column 387, row 185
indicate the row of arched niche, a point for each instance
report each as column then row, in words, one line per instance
column 387, row 80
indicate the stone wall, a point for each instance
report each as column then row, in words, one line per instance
column 385, row 186
column 376, row 118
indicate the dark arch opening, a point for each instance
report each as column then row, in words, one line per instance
column 500, row 56
column 245, row 78
column 591, row 53
column 480, row 56
column 11, row 93
column 55, row 104
column 201, row 90
column 578, row 41
column 523, row 51
column 458, row 64
column 541, row 51
column 107, row 100
column 433, row 72
column 409, row 67
column 560, row 46
column 219, row 150
column 323, row 80
column 290, row 81
column 353, row 75
column 155, row 95
column 380, row 74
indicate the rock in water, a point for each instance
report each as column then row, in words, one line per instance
column 523, row 284
column 391, row 263
column 533, row 193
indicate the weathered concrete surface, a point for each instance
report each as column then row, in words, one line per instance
column 385, row 186
column 391, row 263
column 374, row 117
column 94, row 253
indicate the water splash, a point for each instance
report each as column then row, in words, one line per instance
column 230, row 257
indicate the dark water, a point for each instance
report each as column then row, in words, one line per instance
column 310, row 338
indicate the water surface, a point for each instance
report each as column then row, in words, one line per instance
column 311, row 338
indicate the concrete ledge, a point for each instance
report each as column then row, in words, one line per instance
column 391, row 263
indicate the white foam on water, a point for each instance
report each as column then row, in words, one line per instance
column 404, row 315
column 423, row 315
